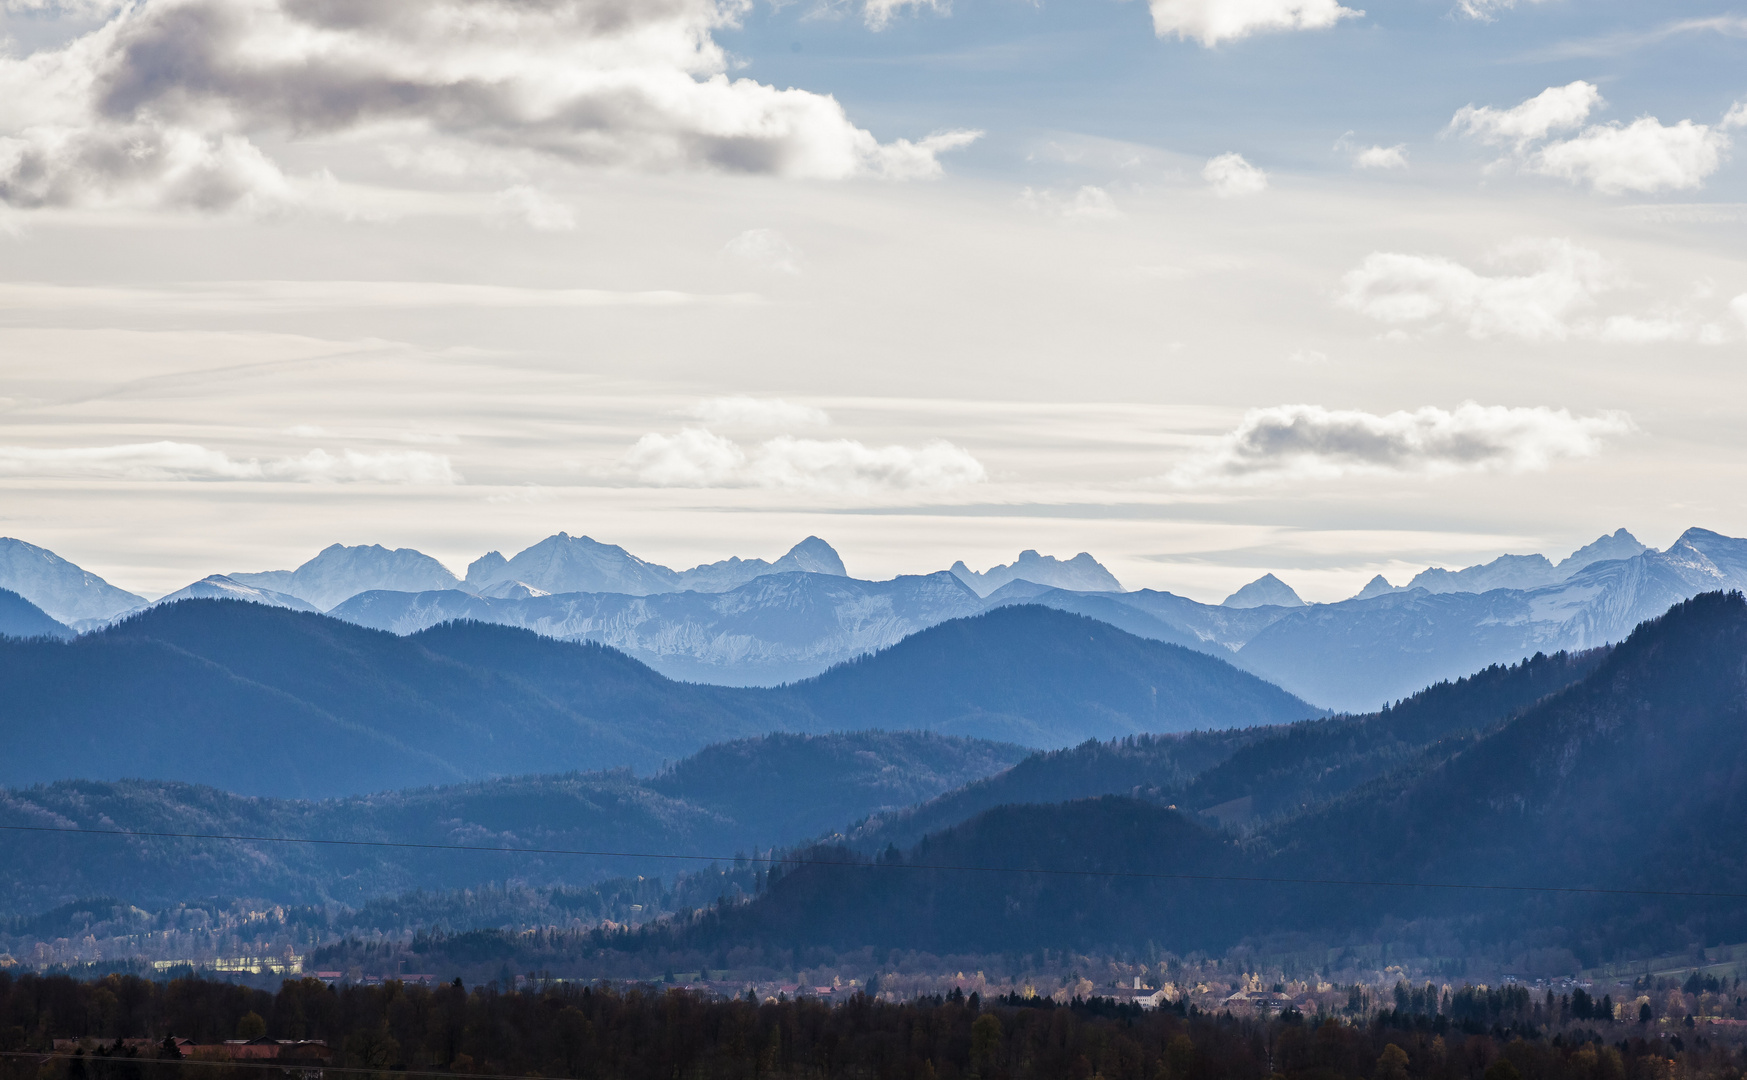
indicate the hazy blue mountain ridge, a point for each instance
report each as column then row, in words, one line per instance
column 66, row 593
column 19, row 618
column 1081, row 573
column 700, row 806
column 338, row 572
column 1619, row 780
column 776, row 628
column 270, row 701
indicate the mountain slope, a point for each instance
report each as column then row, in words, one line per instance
column 1632, row 777
column 65, row 592
column 773, row 629
column 1042, row 677
column 697, row 807
column 1267, row 771
column 1081, row 573
column 338, row 572
column 19, row 618
column 272, row 701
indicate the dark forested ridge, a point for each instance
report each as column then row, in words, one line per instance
column 774, row 790
column 1621, row 780
column 19, row 618
column 1279, row 770
column 270, row 701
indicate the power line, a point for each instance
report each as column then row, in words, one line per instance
column 786, row 861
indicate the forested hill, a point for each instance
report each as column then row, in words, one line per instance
column 1629, row 778
column 720, row 801
column 1031, row 674
column 1252, row 774
column 19, row 618
column 265, row 700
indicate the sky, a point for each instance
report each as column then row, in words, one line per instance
column 1208, row 288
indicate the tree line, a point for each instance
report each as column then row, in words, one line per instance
column 596, row 1032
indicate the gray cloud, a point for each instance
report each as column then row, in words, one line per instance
column 1311, row 441
column 159, row 105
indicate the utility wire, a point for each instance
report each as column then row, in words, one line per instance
column 775, row 860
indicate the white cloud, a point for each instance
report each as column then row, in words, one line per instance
column 1309, row 441
column 160, row 106
column 751, row 412
column 535, row 209
column 1559, row 279
column 1739, row 307
column 1736, row 116
column 1087, row 204
column 1557, row 108
column 879, row 13
column 230, row 296
column 1548, row 298
column 1213, row 21
column 767, row 249
column 188, row 461
column 695, row 457
column 1659, row 328
column 1382, row 157
column 1644, row 155
column 1230, row 177
column 1308, row 357
column 1486, row 10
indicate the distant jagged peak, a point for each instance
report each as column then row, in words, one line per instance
column 1528, row 571
column 1082, row 573
column 340, row 571
column 225, row 587
column 815, row 556
column 1377, row 586
column 66, row 592
column 1265, row 591
column 485, row 568
column 1618, row 545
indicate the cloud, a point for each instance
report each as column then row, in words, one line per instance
column 1736, row 116
column 741, row 411
column 767, row 249
column 879, row 13
column 1644, row 156
column 1739, row 307
column 188, row 461
column 696, row 457
column 1087, row 204
column 160, row 106
column 1382, row 157
column 1559, row 279
column 536, row 209
column 1309, row 441
column 1557, row 108
column 1212, row 21
column 1486, row 10
column 232, row 296
column 1556, row 284
column 1230, row 177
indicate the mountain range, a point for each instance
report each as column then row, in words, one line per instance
column 801, row 785
column 757, row 623
column 263, row 700
column 1581, row 803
